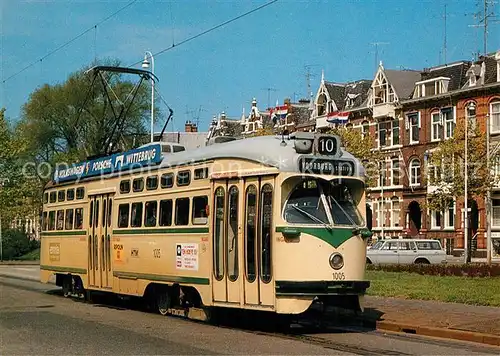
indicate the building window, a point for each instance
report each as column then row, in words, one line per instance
column 435, row 219
column 382, row 134
column 395, row 171
column 449, row 122
column 382, row 174
column 415, row 172
column 365, row 129
column 495, row 116
column 495, row 205
column 436, row 126
column 414, row 121
column 395, row 211
column 395, row 132
column 470, row 115
column 449, row 216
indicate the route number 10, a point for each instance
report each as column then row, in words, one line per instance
column 327, row 146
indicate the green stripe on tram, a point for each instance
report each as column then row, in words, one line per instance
column 161, row 278
column 187, row 230
column 334, row 237
column 63, row 269
column 63, row 233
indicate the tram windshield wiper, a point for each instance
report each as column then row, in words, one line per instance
column 312, row 217
column 330, row 198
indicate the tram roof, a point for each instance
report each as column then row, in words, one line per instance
column 285, row 154
column 267, row 150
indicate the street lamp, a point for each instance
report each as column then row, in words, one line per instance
column 145, row 64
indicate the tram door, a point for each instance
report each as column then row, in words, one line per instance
column 257, row 225
column 100, row 273
column 227, row 238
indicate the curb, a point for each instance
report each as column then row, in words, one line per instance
column 20, row 263
column 461, row 335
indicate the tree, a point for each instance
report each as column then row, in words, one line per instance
column 70, row 121
column 447, row 169
column 361, row 147
column 18, row 193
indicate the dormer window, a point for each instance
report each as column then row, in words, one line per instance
column 382, row 91
column 431, row 87
column 472, row 80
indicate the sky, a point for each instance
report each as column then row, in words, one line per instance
column 226, row 68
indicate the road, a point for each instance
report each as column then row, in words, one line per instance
column 36, row 319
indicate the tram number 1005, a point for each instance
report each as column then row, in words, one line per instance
column 327, row 146
column 338, row 276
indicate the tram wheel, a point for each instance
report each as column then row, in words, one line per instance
column 163, row 301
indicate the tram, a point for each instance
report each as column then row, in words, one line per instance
column 264, row 223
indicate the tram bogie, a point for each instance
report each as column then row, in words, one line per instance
column 259, row 224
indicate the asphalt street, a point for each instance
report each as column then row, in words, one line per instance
column 36, row 319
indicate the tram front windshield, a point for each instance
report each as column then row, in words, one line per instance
column 313, row 200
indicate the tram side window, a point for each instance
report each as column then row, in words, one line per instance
column 78, row 218
column 182, row 211
column 80, row 193
column 60, row 219
column 219, row 233
column 167, row 180
column 200, row 173
column 250, row 226
column 44, row 221
column 166, row 212
column 152, row 183
column 150, row 215
column 232, row 235
column 136, row 215
column 46, row 198
column 265, row 232
column 183, row 178
column 123, row 212
column 138, row 185
column 125, row 186
column 61, row 195
column 69, row 219
column 53, row 197
column 70, row 194
column 52, row 220
column 200, row 210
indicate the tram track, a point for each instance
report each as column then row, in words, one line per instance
column 306, row 331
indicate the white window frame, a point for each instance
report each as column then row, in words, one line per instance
column 395, row 213
column 436, row 126
column 446, row 216
column 447, row 121
column 495, row 115
column 412, row 127
column 495, row 214
column 415, row 179
column 392, row 132
column 393, row 160
column 434, row 225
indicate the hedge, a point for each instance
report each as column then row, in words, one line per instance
column 462, row 270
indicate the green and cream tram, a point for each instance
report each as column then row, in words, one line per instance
column 262, row 223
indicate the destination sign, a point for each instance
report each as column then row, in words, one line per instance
column 315, row 165
column 135, row 158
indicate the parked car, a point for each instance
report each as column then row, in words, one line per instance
column 406, row 251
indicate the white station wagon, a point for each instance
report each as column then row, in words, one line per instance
column 406, row 251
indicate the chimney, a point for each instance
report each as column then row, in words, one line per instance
column 194, row 128
column 188, row 127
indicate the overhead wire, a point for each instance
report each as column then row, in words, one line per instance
column 69, row 41
column 209, row 30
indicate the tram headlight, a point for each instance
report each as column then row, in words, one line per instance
column 336, row 261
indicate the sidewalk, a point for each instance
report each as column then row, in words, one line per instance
column 431, row 318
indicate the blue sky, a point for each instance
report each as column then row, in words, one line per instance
column 226, row 68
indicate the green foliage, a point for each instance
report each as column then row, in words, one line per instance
column 65, row 123
column 461, row 270
column 475, row 291
column 448, row 169
column 16, row 244
column 361, row 148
